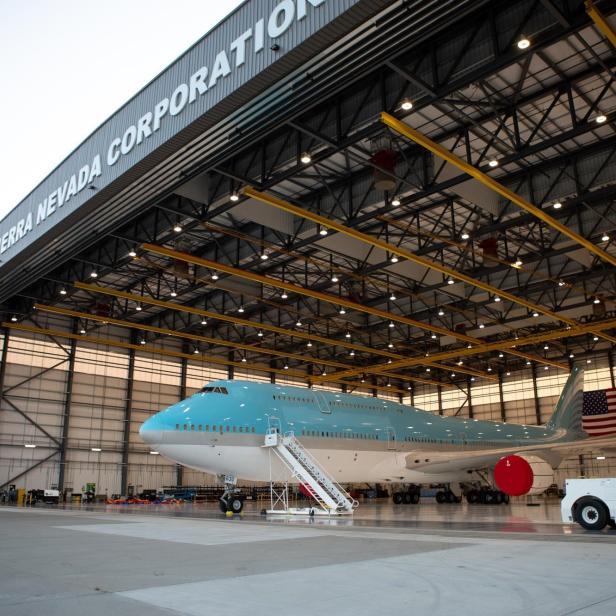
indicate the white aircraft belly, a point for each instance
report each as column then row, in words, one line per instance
column 254, row 463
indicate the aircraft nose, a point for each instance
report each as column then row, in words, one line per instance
column 150, row 431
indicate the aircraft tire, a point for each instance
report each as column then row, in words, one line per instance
column 591, row 513
column 497, row 497
column 414, row 498
column 451, row 497
column 472, row 497
column 398, row 498
column 222, row 505
column 611, row 523
column 408, row 498
column 441, row 497
column 237, row 504
column 504, row 498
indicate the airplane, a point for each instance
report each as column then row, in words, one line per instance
column 221, row 430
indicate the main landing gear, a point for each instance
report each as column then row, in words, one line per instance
column 486, row 496
column 232, row 500
column 447, row 496
column 409, row 497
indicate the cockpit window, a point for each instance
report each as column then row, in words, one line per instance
column 213, row 390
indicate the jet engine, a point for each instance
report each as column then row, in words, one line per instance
column 522, row 474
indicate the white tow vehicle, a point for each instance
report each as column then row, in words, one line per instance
column 590, row 502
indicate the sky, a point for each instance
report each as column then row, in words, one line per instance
column 67, row 65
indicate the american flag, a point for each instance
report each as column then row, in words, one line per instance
column 599, row 412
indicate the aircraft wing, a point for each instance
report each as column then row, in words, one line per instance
column 434, row 461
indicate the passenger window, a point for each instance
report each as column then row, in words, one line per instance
column 177, row 426
column 241, row 429
column 253, row 429
column 192, row 427
column 185, row 427
column 227, row 427
column 200, row 428
column 207, row 427
column 213, row 428
column 234, row 428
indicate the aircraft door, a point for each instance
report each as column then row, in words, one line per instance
column 391, row 439
column 321, row 402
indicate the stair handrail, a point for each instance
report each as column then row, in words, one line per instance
column 290, row 438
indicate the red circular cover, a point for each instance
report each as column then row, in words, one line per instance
column 513, row 475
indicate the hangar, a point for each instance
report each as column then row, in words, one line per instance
column 408, row 200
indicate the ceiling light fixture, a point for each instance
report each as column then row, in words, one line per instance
column 174, row 293
column 348, row 334
column 234, row 196
column 393, row 297
column 305, row 158
column 441, row 312
column 557, row 205
column 142, row 341
column 203, row 321
column 309, row 344
column 450, row 281
column 215, row 276
column 132, row 253
column 177, row 228
column 240, row 309
column 392, row 324
column 264, row 256
column 605, row 237
column 523, row 43
column 481, row 325
column 342, row 310
column 96, row 449
column 285, row 367
column 29, row 446
column 14, row 318
column 493, row 163
column 323, row 231
column 497, row 298
column 465, row 235
column 138, row 308
column 394, row 259
column 601, row 118
column 406, row 104
column 260, row 333
column 396, row 201
column 334, row 278
column 93, row 274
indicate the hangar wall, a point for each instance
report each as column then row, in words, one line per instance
column 100, row 401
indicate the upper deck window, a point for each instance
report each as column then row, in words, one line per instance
column 213, row 390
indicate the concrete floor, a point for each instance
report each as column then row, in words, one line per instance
column 431, row 559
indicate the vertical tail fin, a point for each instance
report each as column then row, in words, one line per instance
column 568, row 412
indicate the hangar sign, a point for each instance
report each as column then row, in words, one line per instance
column 137, row 129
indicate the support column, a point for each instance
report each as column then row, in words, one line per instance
column 231, row 369
column 5, row 349
column 501, row 397
column 179, row 469
column 439, row 392
column 536, row 396
column 470, row 398
column 610, row 361
column 66, row 415
column 128, row 409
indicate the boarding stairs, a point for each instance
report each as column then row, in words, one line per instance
column 329, row 495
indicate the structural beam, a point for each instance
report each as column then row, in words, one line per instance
column 237, row 345
column 319, row 295
column 556, row 334
column 597, row 16
column 403, row 253
column 191, row 357
column 437, row 149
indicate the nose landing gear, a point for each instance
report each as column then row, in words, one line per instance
column 232, row 500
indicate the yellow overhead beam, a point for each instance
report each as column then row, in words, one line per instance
column 246, row 323
column 219, row 341
column 601, row 23
column 486, row 180
column 401, row 252
column 191, row 357
column 334, row 299
column 556, row 334
column 287, row 286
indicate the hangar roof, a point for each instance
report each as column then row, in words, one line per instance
column 309, row 227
